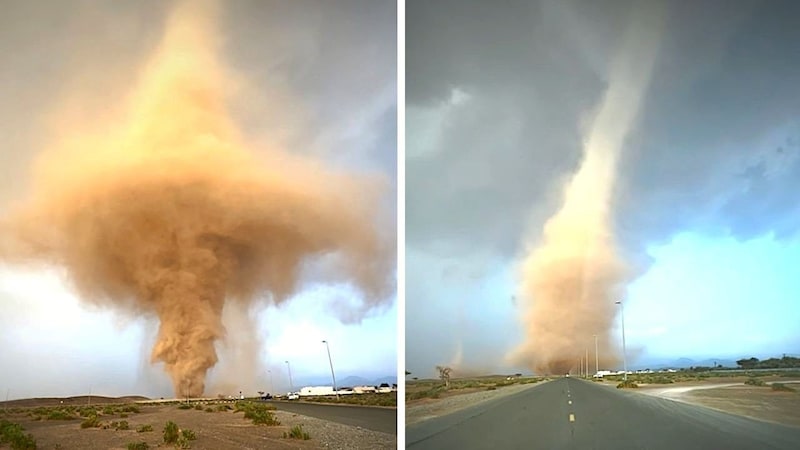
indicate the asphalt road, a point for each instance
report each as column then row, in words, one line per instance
column 376, row 419
column 568, row 413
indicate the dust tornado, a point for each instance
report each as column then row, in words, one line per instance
column 170, row 211
column 569, row 279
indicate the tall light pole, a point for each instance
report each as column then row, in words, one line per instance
column 291, row 385
column 587, row 362
column 596, row 358
column 331, row 363
column 624, row 354
column 271, row 386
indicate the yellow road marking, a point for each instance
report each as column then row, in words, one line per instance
column 572, row 417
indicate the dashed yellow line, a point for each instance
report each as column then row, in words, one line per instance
column 572, row 417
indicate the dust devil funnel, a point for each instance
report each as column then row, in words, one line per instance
column 169, row 212
column 569, row 281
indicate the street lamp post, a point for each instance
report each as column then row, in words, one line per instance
column 330, row 361
column 624, row 354
column 291, row 385
column 587, row 362
column 596, row 358
column 271, row 386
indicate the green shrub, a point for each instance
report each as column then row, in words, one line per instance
column 87, row 411
column 108, row 411
column 260, row 414
column 782, row 387
column 59, row 414
column 209, row 409
column 138, row 446
column 14, row 435
column 297, row 433
column 90, row 422
column 753, row 381
column 630, row 384
column 131, row 409
column 198, row 407
column 171, row 432
column 188, row 434
column 144, row 428
column 122, row 425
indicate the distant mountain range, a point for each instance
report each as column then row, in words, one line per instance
column 684, row 363
column 348, row 381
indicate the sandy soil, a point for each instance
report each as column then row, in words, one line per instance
column 758, row 402
column 217, row 430
column 428, row 408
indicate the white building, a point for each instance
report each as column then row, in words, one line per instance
column 316, row 390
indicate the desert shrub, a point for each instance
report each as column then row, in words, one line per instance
column 138, row 446
column 123, row 415
column 87, row 411
column 753, row 381
column 209, row 409
column 184, row 406
column 14, row 435
column 90, row 422
column 223, row 407
column 171, row 432
column 108, row 411
column 630, row 384
column 59, row 414
column 491, row 388
column 182, row 442
column 144, row 428
column 260, row 414
column 198, row 407
column 131, row 409
column 297, row 433
column 122, row 425
column 782, row 387
column 188, row 434
column 662, row 380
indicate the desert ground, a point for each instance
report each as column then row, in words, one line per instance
column 213, row 424
column 732, row 395
column 758, row 399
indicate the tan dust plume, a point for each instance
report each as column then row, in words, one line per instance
column 570, row 281
column 170, row 212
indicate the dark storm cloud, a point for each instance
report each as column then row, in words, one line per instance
column 715, row 147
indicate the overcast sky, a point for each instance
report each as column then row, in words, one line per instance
column 320, row 79
column 704, row 207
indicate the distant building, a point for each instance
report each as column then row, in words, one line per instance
column 316, row 390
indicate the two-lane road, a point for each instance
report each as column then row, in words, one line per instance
column 371, row 418
column 574, row 414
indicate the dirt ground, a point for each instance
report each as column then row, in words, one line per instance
column 449, row 402
column 735, row 397
column 214, row 430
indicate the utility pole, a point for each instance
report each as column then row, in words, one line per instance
column 291, row 385
column 271, row 386
column 596, row 358
column 587, row 362
column 331, row 363
column 624, row 353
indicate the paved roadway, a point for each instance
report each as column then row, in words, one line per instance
column 376, row 419
column 569, row 413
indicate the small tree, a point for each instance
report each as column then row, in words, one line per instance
column 444, row 375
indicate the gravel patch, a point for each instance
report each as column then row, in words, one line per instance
column 338, row 436
column 430, row 408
